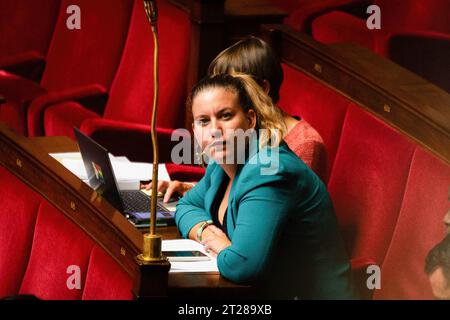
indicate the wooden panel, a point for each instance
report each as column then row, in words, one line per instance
column 244, row 18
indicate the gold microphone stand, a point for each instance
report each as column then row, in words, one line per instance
column 153, row 241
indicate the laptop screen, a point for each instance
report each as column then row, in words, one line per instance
column 99, row 169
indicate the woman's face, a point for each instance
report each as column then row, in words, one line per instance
column 217, row 115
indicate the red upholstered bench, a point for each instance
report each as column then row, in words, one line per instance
column 38, row 244
column 418, row 229
column 414, row 34
column 78, row 61
column 389, row 194
column 127, row 113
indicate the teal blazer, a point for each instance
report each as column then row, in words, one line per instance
column 282, row 227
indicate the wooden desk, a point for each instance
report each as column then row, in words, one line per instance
column 207, row 285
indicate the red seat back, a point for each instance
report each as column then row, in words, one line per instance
column 132, row 92
column 413, row 15
column 89, row 55
column 319, row 105
column 26, row 26
column 368, row 181
column 15, row 244
column 419, row 228
column 39, row 246
column 302, row 12
column 57, row 245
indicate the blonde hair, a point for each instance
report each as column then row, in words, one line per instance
column 251, row 96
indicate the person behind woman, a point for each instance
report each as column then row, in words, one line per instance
column 277, row 231
column 255, row 57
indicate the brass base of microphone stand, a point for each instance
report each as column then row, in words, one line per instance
column 153, row 279
column 152, row 249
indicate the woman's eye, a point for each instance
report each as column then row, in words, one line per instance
column 201, row 122
column 226, row 116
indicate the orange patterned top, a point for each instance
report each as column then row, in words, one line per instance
column 308, row 145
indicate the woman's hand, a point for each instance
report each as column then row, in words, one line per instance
column 215, row 241
column 169, row 188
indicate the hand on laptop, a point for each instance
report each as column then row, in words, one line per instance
column 170, row 188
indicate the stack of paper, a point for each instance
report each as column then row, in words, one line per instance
column 191, row 266
column 128, row 174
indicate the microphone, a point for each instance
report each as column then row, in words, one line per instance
column 151, row 11
column 153, row 242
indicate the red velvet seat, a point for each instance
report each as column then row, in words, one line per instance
column 414, row 34
column 57, row 245
column 418, row 229
column 128, row 111
column 105, row 279
column 302, row 12
column 319, row 105
column 38, row 245
column 26, row 28
column 79, row 58
column 382, row 185
column 15, row 245
column 367, row 183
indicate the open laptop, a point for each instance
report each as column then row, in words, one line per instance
column 134, row 204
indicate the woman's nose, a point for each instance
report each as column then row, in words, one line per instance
column 215, row 130
column 215, row 133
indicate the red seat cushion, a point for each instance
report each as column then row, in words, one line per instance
column 17, row 220
column 323, row 108
column 419, row 228
column 183, row 172
column 368, row 181
column 59, row 119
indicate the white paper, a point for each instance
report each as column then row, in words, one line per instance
column 191, row 266
column 128, row 174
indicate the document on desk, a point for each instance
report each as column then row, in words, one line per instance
column 191, row 266
column 128, row 174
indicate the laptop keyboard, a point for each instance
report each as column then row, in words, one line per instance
column 136, row 201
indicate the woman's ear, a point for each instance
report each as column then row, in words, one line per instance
column 266, row 86
column 251, row 117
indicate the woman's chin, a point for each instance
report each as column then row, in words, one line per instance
column 220, row 156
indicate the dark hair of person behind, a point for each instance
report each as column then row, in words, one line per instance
column 439, row 256
column 252, row 56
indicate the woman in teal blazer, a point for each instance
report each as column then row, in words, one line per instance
column 272, row 227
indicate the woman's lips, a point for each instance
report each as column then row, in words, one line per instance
column 215, row 143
